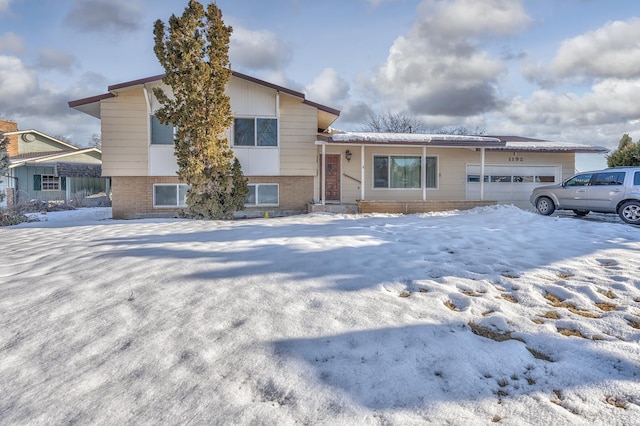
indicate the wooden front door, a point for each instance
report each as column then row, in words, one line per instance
column 332, row 177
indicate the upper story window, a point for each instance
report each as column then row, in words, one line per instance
column 255, row 132
column 161, row 134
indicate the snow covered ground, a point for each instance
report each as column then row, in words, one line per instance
column 489, row 315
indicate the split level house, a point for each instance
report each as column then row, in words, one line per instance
column 44, row 168
column 296, row 163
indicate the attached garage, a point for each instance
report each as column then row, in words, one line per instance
column 510, row 184
column 423, row 172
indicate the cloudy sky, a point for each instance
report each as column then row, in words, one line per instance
column 565, row 70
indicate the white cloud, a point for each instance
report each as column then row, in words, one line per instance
column 610, row 101
column 439, row 68
column 464, row 18
column 11, row 42
column 257, row 50
column 16, row 82
column 328, row 88
column 610, row 51
column 34, row 104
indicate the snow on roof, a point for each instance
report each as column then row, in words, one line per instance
column 411, row 138
column 405, row 137
column 497, row 143
column 549, row 146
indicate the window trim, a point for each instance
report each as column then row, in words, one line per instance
column 177, row 205
column 257, row 203
column 390, row 188
column 255, row 132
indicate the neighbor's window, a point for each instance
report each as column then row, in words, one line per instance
column 161, row 134
column 170, row 195
column 49, row 183
column 255, row 132
column 402, row 172
column 263, row 194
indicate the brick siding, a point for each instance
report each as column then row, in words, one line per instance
column 133, row 196
column 10, row 126
column 409, row 207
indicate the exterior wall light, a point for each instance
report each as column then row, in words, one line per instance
column 348, row 155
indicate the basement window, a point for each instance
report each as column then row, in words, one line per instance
column 170, row 195
column 263, row 194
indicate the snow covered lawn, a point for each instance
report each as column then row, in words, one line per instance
column 488, row 315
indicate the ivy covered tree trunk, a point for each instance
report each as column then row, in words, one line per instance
column 194, row 51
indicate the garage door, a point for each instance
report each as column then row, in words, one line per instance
column 509, row 184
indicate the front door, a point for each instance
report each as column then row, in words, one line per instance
column 332, row 177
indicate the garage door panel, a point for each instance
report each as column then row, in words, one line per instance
column 509, row 184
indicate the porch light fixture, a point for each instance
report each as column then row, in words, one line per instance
column 348, row 155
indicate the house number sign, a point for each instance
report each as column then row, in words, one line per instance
column 516, row 159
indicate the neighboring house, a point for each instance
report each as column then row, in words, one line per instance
column 283, row 140
column 47, row 169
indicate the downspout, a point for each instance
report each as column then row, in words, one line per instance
column 362, row 172
column 322, row 169
column 68, row 189
column 278, row 126
column 147, row 98
column 481, row 174
column 423, row 167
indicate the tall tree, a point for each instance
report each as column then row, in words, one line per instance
column 627, row 154
column 194, row 52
